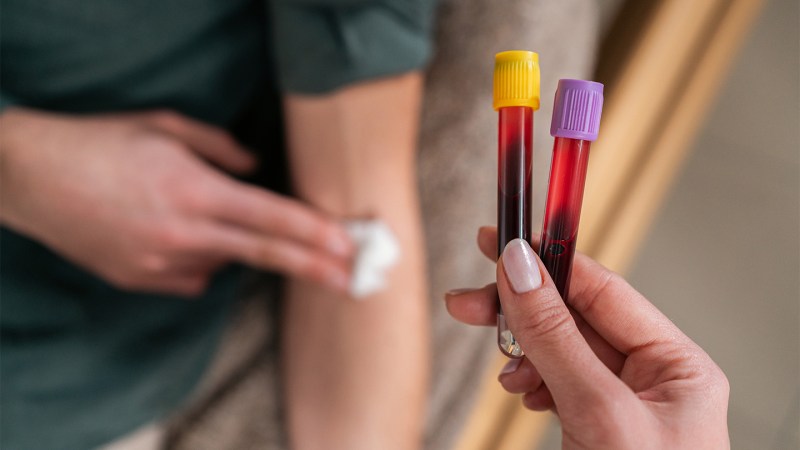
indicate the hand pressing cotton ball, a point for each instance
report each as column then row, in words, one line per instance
column 377, row 252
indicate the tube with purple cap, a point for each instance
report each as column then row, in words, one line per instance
column 576, row 120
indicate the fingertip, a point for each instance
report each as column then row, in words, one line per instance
column 240, row 162
column 524, row 378
column 472, row 306
column 521, row 267
column 539, row 400
column 455, row 292
column 486, row 231
column 249, row 163
column 456, row 308
column 487, row 241
column 510, row 367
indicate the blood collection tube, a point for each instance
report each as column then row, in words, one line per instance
column 516, row 97
column 576, row 120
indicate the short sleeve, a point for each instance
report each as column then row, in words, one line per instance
column 5, row 101
column 321, row 45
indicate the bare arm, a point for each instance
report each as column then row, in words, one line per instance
column 356, row 372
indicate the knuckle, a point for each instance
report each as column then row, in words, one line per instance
column 171, row 238
column 549, row 317
column 192, row 197
column 166, row 118
column 723, row 384
column 717, row 382
column 153, row 263
column 151, row 142
column 606, row 282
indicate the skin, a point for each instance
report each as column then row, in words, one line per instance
column 356, row 372
column 615, row 370
column 145, row 202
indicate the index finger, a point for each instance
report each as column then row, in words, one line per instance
column 266, row 212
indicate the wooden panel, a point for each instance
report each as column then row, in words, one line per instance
column 645, row 191
column 492, row 408
column 638, row 105
column 654, row 107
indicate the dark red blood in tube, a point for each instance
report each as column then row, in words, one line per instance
column 563, row 209
column 515, row 153
column 514, row 175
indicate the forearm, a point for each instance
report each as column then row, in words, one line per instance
column 356, row 372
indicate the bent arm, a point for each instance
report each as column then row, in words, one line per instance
column 356, row 371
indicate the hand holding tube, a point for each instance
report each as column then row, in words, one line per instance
column 618, row 372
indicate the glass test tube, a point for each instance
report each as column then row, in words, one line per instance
column 576, row 120
column 516, row 96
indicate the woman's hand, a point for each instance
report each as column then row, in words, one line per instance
column 617, row 372
column 142, row 201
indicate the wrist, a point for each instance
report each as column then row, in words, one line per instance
column 8, row 126
column 15, row 132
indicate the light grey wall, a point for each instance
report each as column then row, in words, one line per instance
column 723, row 257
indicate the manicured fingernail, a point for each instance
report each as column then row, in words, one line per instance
column 521, row 267
column 459, row 291
column 511, row 366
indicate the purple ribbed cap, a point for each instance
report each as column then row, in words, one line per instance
column 577, row 109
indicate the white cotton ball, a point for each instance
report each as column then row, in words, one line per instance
column 377, row 252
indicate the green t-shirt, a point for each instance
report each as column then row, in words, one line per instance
column 82, row 363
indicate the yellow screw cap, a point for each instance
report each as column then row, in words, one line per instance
column 516, row 79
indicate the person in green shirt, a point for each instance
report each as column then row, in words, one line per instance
column 142, row 149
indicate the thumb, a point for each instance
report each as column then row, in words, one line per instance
column 544, row 327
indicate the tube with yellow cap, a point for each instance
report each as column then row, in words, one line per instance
column 516, row 97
